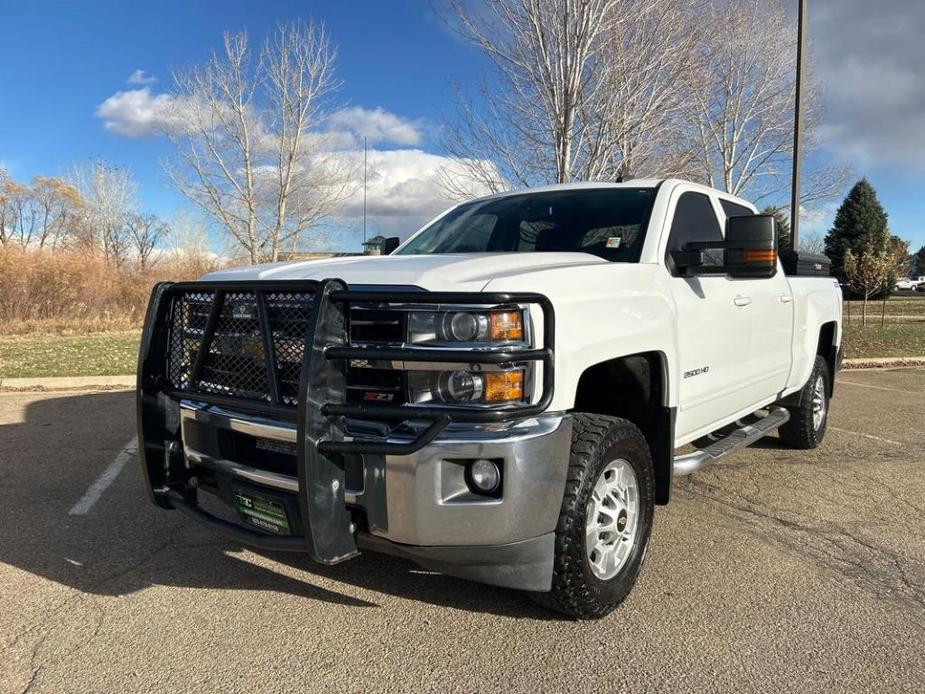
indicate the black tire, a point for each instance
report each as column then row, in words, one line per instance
column 596, row 441
column 801, row 431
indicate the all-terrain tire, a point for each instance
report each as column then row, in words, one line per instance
column 597, row 441
column 805, row 429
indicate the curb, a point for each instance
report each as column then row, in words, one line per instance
column 67, row 382
column 882, row 362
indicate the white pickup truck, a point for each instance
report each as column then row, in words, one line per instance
column 910, row 283
column 501, row 397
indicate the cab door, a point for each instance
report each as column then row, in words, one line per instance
column 771, row 317
column 714, row 327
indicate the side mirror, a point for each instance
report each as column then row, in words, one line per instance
column 750, row 246
column 390, row 245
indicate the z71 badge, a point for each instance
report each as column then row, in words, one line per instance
column 696, row 372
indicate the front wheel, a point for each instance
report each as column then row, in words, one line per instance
column 809, row 419
column 606, row 518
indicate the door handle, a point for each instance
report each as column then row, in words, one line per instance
column 742, row 300
column 785, row 298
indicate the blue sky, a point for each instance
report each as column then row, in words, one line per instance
column 62, row 60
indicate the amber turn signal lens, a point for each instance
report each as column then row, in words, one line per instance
column 507, row 325
column 764, row 256
column 504, row 386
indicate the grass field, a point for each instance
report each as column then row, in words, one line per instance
column 902, row 334
column 895, row 339
column 33, row 356
column 115, row 353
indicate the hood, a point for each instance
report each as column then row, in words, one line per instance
column 451, row 272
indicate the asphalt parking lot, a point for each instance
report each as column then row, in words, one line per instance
column 774, row 570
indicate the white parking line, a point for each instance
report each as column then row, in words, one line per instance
column 865, row 385
column 101, row 484
column 867, row 436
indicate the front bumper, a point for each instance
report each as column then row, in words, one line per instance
column 418, row 505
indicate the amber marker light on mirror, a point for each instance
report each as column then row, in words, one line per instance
column 763, row 256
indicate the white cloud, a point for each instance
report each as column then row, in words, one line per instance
column 141, row 77
column 141, row 113
column 404, row 191
column 377, row 125
column 404, row 185
column 818, row 218
column 137, row 113
column 873, row 80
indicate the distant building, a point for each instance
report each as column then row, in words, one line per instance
column 374, row 246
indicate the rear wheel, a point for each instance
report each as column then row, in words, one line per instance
column 809, row 419
column 605, row 520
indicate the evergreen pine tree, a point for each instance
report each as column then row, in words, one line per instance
column 860, row 219
column 783, row 226
column 917, row 265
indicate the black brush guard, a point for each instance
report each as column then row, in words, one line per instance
column 319, row 416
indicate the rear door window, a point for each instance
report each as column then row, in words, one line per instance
column 733, row 209
column 694, row 220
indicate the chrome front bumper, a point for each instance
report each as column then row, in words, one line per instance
column 419, row 507
column 422, row 498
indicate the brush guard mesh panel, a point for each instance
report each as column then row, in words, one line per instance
column 240, row 344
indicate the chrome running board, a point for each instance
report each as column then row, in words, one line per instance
column 744, row 436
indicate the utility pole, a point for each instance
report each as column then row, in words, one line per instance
column 802, row 26
column 365, row 144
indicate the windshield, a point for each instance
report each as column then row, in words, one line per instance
column 606, row 222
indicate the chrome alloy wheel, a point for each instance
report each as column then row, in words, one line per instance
column 612, row 519
column 818, row 403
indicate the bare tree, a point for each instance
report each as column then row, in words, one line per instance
column 108, row 194
column 898, row 263
column 742, row 118
column 247, row 153
column 546, row 56
column 145, row 233
column 598, row 90
column 869, row 270
column 188, row 244
column 813, row 242
column 37, row 215
column 59, row 206
column 647, row 62
column 20, row 217
column 6, row 213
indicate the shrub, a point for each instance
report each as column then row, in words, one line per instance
column 77, row 291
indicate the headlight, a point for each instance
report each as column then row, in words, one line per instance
column 466, row 387
column 466, row 326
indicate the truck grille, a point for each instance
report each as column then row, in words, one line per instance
column 236, row 362
column 376, row 326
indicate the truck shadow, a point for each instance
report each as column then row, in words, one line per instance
column 53, row 449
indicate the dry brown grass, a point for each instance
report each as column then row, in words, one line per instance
column 79, row 292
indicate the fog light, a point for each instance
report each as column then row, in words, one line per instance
column 484, row 476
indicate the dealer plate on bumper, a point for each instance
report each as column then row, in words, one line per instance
column 263, row 514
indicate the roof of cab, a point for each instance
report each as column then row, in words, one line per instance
column 632, row 183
